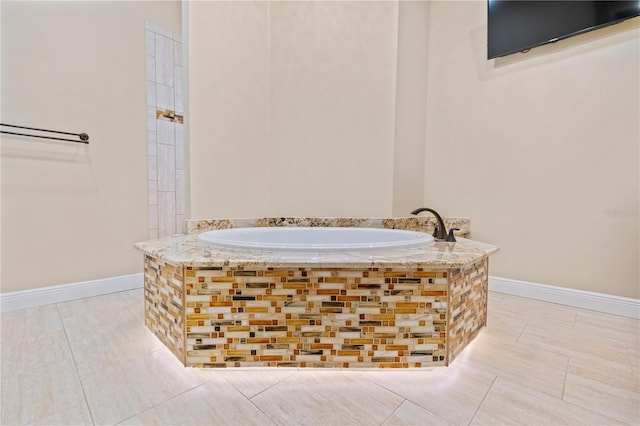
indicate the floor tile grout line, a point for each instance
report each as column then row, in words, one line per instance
column 394, row 411
column 566, row 377
column 75, row 365
column 575, row 320
column 408, row 399
column 595, row 412
column 583, row 334
column 259, row 409
column 522, row 332
column 483, row 398
column 580, row 406
column 261, row 392
column 265, row 389
column 162, row 402
column 128, row 293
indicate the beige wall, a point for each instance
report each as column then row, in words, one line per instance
column 227, row 109
column 72, row 212
column 539, row 149
column 411, row 104
column 292, row 108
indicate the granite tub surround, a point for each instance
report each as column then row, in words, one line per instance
column 414, row 223
column 186, row 250
column 382, row 308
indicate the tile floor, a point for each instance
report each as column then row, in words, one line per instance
column 92, row 361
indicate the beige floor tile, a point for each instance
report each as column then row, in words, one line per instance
column 327, row 398
column 40, row 393
column 136, row 384
column 136, row 298
column 107, row 303
column 137, row 294
column 535, row 310
column 30, row 322
column 78, row 415
column 544, row 371
column 118, row 340
column 635, row 374
column 214, row 403
column 411, row 414
column 613, row 322
column 29, row 352
column 99, row 321
column 608, row 327
column 505, row 323
column 604, row 371
column 453, row 393
column 619, row 401
column 633, row 347
column 571, row 343
column 252, row 382
column 104, row 334
column 512, row 404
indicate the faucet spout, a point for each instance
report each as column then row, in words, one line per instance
column 440, row 232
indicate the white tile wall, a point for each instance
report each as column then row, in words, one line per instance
column 177, row 73
column 153, row 167
column 152, row 142
column 153, row 215
column 153, row 194
column 179, row 146
column 180, row 193
column 180, row 223
column 151, row 93
column 151, row 40
column 165, row 96
column 151, row 117
column 159, row 30
column 165, row 138
column 166, row 213
column 151, row 68
column 164, row 60
column 166, row 167
column 166, row 132
column 177, row 53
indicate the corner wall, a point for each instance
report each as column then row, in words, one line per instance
column 72, row 212
column 292, row 108
column 541, row 149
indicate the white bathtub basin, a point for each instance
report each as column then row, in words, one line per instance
column 316, row 238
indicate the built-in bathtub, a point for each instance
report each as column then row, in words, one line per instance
column 216, row 305
column 310, row 239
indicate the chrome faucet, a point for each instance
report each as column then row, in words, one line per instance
column 440, row 231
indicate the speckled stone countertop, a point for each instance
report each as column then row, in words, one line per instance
column 186, row 250
column 411, row 223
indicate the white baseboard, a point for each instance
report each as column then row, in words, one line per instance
column 23, row 299
column 610, row 304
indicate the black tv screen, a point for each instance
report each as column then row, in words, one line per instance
column 514, row 25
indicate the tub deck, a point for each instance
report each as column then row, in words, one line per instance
column 410, row 307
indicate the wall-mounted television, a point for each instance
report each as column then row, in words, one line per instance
column 516, row 26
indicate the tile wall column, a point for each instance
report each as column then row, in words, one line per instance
column 165, row 131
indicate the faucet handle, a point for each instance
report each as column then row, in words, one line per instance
column 451, row 238
column 436, row 233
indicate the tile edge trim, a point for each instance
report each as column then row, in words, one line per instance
column 23, row 299
column 600, row 302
